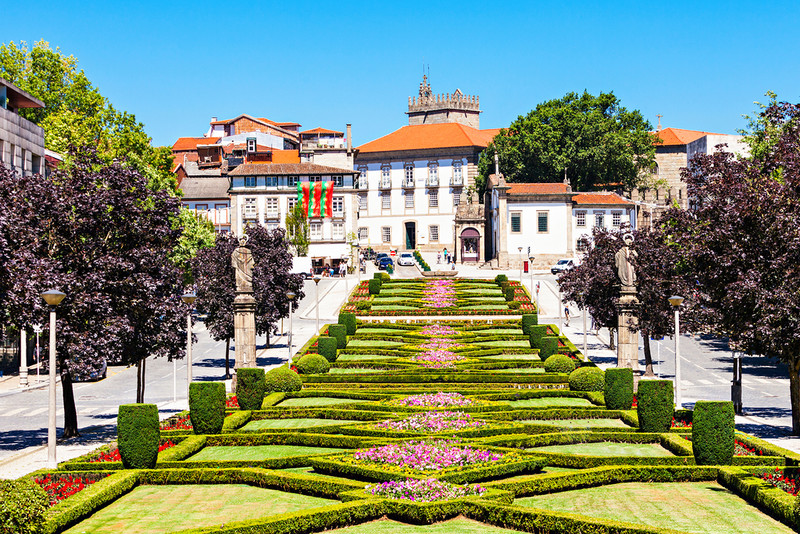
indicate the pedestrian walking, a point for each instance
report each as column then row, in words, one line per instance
column 566, row 314
column 438, row 258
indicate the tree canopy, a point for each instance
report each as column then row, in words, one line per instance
column 596, row 141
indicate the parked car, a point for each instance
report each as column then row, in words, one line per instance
column 380, row 256
column 302, row 265
column 406, row 258
column 566, row 264
column 384, row 262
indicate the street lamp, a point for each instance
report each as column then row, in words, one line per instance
column 676, row 302
column 23, row 357
column 530, row 268
column 189, row 299
column 53, row 298
column 37, row 329
column 291, row 296
column 317, row 278
column 520, row 265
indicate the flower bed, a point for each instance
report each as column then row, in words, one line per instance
column 438, row 330
column 436, row 358
column 439, row 294
column 59, row 487
column 232, row 402
column 423, row 490
column 182, row 422
column 779, row 479
column 435, row 400
column 433, row 422
column 113, row 455
column 426, row 455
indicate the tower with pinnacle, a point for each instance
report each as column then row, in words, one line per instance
column 428, row 108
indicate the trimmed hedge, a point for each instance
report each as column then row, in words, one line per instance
column 138, row 435
column 559, row 363
column 339, row 331
column 528, row 320
column 508, row 292
column 312, row 364
column 22, row 506
column 280, row 379
column 537, row 332
column 349, row 320
column 713, row 432
column 587, row 379
column 207, row 407
column 327, row 347
column 618, row 390
column 655, row 405
column 374, row 286
column 250, row 387
column 548, row 345
column 500, row 278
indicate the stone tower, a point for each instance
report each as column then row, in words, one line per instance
column 428, row 108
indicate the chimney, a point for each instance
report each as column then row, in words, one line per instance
column 213, row 119
column 349, row 138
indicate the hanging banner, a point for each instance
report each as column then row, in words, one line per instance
column 316, row 198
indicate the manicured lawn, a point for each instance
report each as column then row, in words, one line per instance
column 607, row 448
column 377, row 307
column 353, row 343
column 511, row 343
column 149, row 509
column 498, row 331
column 550, row 401
column 309, row 471
column 315, row 401
column 351, row 370
column 459, row 525
column 578, row 423
column 526, row 357
column 700, row 507
column 268, row 424
column 523, row 370
column 357, row 357
column 498, row 306
column 368, row 330
column 257, row 452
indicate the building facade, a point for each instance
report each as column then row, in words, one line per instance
column 21, row 141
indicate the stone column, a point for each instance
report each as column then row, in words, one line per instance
column 244, row 324
column 628, row 332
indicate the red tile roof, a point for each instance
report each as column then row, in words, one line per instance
column 264, row 169
column 190, row 143
column 321, row 131
column 537, row 189
column 600, row 198
column 676, row 136
column 427, row 136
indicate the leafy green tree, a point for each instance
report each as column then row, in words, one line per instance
column 593, row 139
column 297, row 230
column 198, row 233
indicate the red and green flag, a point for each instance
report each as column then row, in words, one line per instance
column 316, row 198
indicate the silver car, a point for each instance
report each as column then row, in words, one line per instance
column 406, row 258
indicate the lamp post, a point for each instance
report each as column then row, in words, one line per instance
column 317, row 278
column 53, row 298
column 520, row 265
column 530, row 268
column 37, row 329
column 676, row 302
column 23, row 357
column 290, row 295
column 560, row 317
column 189, row 299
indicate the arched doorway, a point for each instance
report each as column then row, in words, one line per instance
column 470, row 241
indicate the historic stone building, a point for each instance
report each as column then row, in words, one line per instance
column 21, row 141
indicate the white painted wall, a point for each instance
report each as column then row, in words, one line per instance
column 554, row 241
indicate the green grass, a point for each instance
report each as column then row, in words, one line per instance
column 579, row 423
column 309, row 471
column 351, row 370
column 257, row 452
column 459, row 525
column 510, row 343
column 498, row 331
column 377, row 307
column 608, row 448
column 525, row 357
column 523, row 370
column 358, row 357
column 497, row 306
column 315, row 401
column 271, row 424
column 549, row 402
column 697, row 507
column 149, row 509
column 397, row 331
column 353, row 343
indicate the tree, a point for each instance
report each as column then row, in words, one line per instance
column 197, row 233
column 743, row 242
column 297, row 229
column 592, row 140
column 216, row 284
column 98, row 233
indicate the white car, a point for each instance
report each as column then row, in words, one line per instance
column 567, row 264
column 406, row 258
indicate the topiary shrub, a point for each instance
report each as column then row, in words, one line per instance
column 655, row 405
column 207, row 407
column 138, row 435
column 327, row 347
column 587, row 379
column 338, row 331
column 508, row 292
column 500, row 278
column 282, row 379
column 559, row 363
column 618, row 390
column 312, row 364
column 250, row 387
column 514, row 305
column 363, row 305
column 376, row 276
column 384, row 277
column 374, row 286
column 548, row 346
column 23, row 504
column 537, row 332
column 712, row 432
column 349, row 320
column 528, row 320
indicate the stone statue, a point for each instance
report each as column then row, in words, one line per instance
column 622, row 258
column 242, row 260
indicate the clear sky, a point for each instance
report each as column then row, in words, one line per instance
column 176, row 64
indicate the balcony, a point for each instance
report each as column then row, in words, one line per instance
column 386, row 184
column 432, row 181
column 456, row 181
column 408, row 183
column 273, row 214
column 363, row 183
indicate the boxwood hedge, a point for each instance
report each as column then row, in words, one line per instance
column 207, row 407
column 250, row 387
column 618, row 389
column 138, row 435
column 655, row 405
column 713, row 432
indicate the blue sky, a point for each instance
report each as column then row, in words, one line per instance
column 177, row 64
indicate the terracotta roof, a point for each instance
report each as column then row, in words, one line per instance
column 272, row 169
column 205, row 188
column 676, row 136
column 600, row 198
column 321, row 131
column 193, row 169
column 190, row 143
column 537, row 189
column 427, row 136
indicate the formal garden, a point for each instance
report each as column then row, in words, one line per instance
column 425, row 425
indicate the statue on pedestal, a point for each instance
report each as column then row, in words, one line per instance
column 625, row 270
column 244, row 306
column 242, row 260
column 627, row 320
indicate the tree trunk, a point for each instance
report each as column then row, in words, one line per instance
column 648, row 356
column 611, row 344
column 268, row 337
column 794, row 393
column 140, row 382
column 70, row 414
column 228, row 359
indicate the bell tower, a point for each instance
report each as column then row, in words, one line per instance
column 428, row 108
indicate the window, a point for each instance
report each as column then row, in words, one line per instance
column 273, row 211
column 457, row 176
column 293, row 181
column 362, row 178
column 408, row 180
column 386, row 234
column 272, row 225
column 386, row 177
column 599, row 219
column 580, row 218
column 315, row 230
column 315, row 178
column 251, row 145
column 516, row 223
column 433, row 199
column 616, row 218
column 386, row 201
column 249, row 181
column 222, row 213
column 456, row 197
column 338, row 206
column 338, row 230
column 272, row 181
column 433, row 230
column 409, row 199
column 433, row 174
column 541, row 222
column 250, row 208
column 201, row 208
column 292, row 203
column 338, row 181
column 363, row 233
column 362, row 202
column 582, row 245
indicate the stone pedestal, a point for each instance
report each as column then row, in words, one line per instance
column 244, row 324
column 628, row 332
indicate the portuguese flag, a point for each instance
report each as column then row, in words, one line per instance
column 316, row 198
